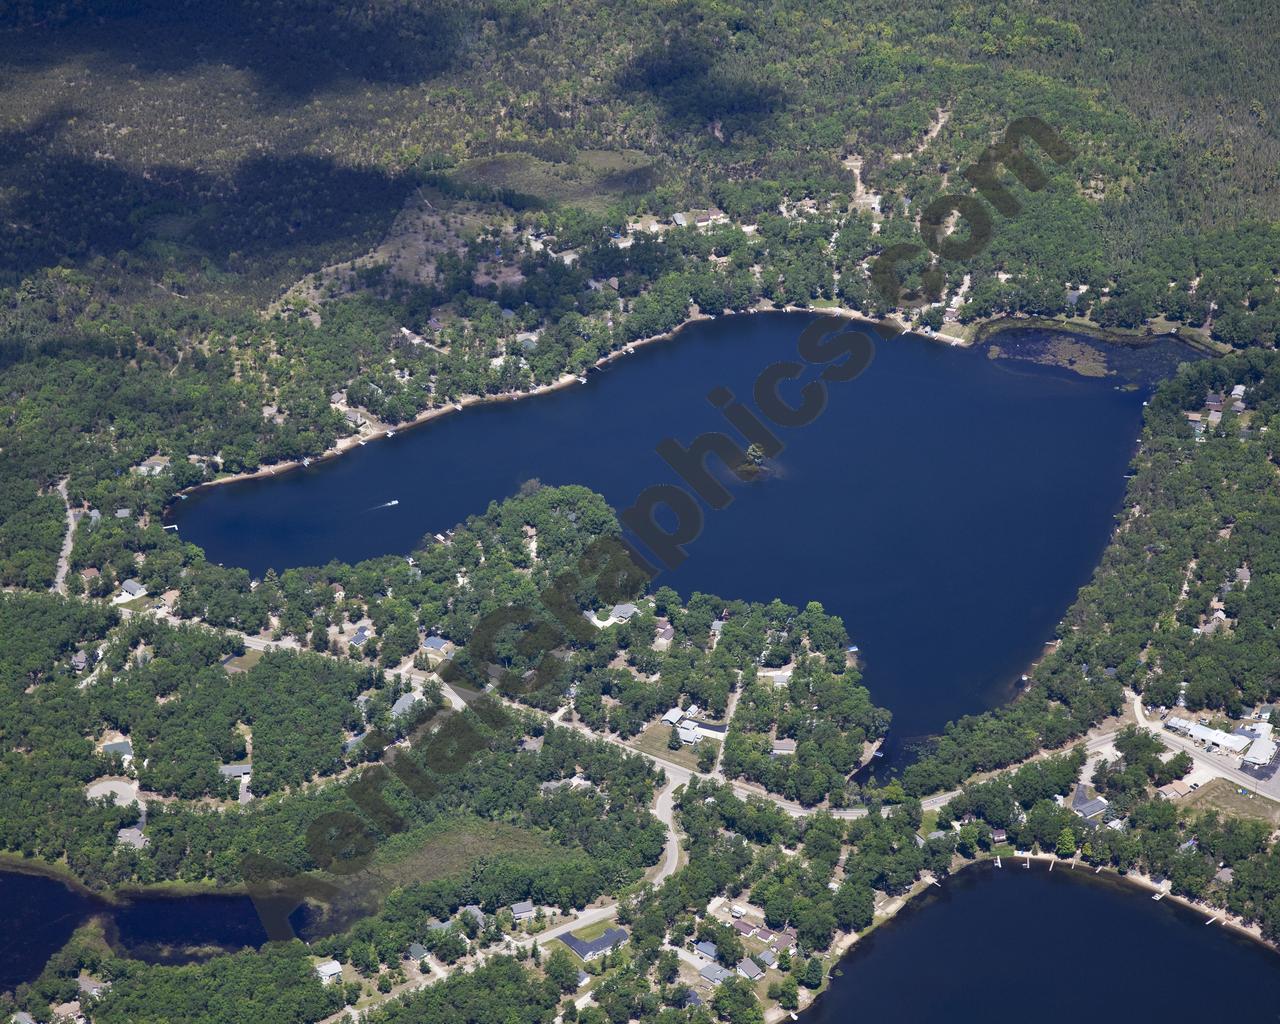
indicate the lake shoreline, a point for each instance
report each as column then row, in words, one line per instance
column 350, row 441
column 845, row 944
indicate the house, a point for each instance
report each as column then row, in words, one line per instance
column 90, row 573
column 680, row 220
column 153, row 466
column 749, row 969
column 95, row 517
column 124, row 513
column 583, row 978
column 354, row 419
column 354, row 742
column 1085, row 807
column 764, row 935
column 999, row 835
column 522, row 911
column 22, row 1017
column 1243, row 576
column 235, row 771
column 687, row 732
column 624, row 612
column 475, row 913
column 328, row 971
column 784, row 747
column 132, row 588
column 1237, row 391
column 595, row 948
column 1213, row 403
column 714, row 973
column 673, row 716
column 666, row 634
column 361, row 637
column 1215, row 417
column 404, row 703
column 434, row 924
column 131, row 837
column 439, row 645
column 717, row 628
column 79, row 661
column 123, row 748
column 417, row 951
column 1174, row 790
column 1225, row 875
column 766, row 958
column 707, row 949
column 744, row 928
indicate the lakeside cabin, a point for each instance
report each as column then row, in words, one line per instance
column 328, row 971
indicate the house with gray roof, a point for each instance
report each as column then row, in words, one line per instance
column 593, row 949
column 707, row 949
column 404, row 703
column 624, row 612
column 714, row 973
column 522, row 911
column 235, row 771
column 417, row 951
column 749, row 969
column 133, row 588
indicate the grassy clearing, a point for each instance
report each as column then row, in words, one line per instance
column 1220, row 795
column 592, row 180
column 452, row 846
column 243, row 662
column 654, row 741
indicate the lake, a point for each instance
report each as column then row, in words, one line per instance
column 1018, row 944
column 42, row 912
column 946, row 505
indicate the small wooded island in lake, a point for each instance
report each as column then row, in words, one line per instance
column 506, row 769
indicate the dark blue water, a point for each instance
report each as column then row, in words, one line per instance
column 946, row 505
column 41, row 913
column 1020, row 945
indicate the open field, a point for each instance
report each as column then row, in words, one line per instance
column 1221, row 795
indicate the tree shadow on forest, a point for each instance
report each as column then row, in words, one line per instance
column 293, row 50
column 65, row 209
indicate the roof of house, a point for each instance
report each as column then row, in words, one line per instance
column 688, row 733
column 749, row 969
column 608, row 940
column 362, row 634
column 714, row 973
column 673, row 716
column 403, row 703
column 784, row 746
column 624, row 611
column 766, row 958
column 435, row 643
column 474, row 912
column 234, row 771
column 354, row 742
column 417, row 951
column 1091, row 808
column 745, row 927
column 118, row 747
column 523, row 908
column 707, row 949
column 133, row 588
column 329, row 969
